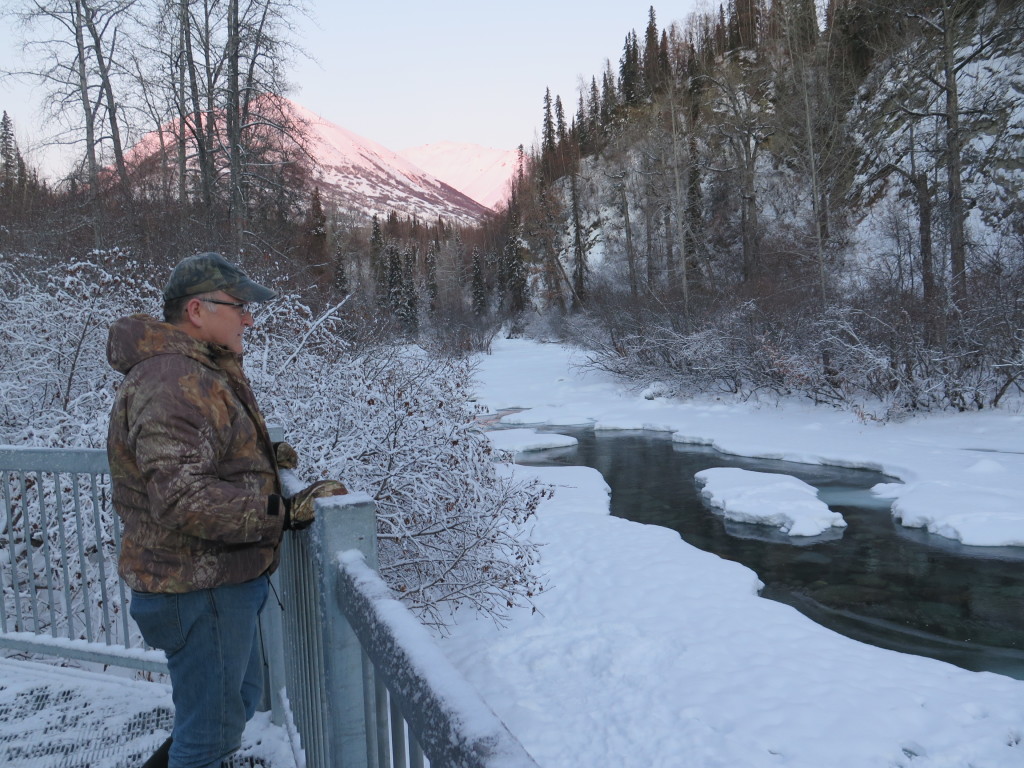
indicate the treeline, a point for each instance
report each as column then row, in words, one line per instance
column 765, row 199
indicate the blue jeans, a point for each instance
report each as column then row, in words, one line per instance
column 213, row 654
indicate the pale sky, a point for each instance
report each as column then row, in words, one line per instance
column 408, row 72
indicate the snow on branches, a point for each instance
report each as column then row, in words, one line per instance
column 395, row 422
column 391, row 421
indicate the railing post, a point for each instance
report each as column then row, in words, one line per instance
column 275, row 681
column 343, row 523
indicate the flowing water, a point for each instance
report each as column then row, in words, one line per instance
column 874, row 580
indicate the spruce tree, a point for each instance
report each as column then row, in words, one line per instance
column 378, row 263
column 630, row 75
column 547, row 137
column 393, row 292
column 479, row 298
column 430, row 264
column 652, row 64
column 609, row 97
column 408, row 307
column 9, row 163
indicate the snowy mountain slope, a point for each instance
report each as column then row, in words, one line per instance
column 354, row 174
column 359, row 175
column 482, row 173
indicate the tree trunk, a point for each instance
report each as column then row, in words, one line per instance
column 630, row 256
column 957, row 244
column 89, row 114
column 579, row 270
column 234, row 131
column 679, row 275
column 103, row 66
column 205, row 162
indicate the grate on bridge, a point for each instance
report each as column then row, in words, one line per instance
column 58, row 717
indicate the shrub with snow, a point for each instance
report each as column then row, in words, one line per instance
column 391, row 421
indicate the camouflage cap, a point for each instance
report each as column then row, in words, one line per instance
column 208, row 272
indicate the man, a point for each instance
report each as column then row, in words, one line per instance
column 195, row 482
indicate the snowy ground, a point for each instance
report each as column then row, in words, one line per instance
column 648, row 652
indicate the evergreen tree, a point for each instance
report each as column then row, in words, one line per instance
column 408, row 307
column 561, row 131
column 393, row 297
column 548, row 138
column 479, row 287
column 378, row 263
column 594, row 121
column 581, row 127
column 512, row 263
column 10, row 164
column 631, row 86
column 744, row 21
column 653, row 64
column 609, row 97
column 314, row 245
column 430, row 264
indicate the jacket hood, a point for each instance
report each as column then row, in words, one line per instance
column 136, row 338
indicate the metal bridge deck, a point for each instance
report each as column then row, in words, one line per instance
column 60, row 717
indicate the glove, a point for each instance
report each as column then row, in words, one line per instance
column 286, row 456
column 299, row 512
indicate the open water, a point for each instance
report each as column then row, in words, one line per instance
column 875, row 580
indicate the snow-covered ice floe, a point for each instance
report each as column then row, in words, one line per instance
column 525, row 440
column 767, row 498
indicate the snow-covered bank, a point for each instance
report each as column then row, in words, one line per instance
column 962, row 474
column 648, row 652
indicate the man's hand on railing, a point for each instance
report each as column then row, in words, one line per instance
column 299, row 511
column 286, row 456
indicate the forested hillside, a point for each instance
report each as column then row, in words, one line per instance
column 765, row 200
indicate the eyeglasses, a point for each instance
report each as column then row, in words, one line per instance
column 242, row 308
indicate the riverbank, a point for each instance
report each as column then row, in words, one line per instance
column 648, row 652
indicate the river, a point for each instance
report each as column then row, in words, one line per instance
column 875, row 580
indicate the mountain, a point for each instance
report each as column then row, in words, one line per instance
column 361, row 176
column 463, row 182
column 482, row 173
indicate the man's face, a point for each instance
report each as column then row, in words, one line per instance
column 221, row 323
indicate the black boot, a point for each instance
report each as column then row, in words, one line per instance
column 159, row 758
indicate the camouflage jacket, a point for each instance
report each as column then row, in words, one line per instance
column 193, row 471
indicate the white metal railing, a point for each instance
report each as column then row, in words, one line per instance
column 58, row 560
column 360, row 679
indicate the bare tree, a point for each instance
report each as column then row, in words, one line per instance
column 75, row 47
column 739, row 119
column 955, row 35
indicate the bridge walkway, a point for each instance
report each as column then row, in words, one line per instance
column 62, row 717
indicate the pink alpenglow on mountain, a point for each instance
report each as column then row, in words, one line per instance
column 482, row 173
column 360, row 175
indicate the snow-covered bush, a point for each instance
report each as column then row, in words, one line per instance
column 56, row 388
column 389, row 420
column 874, row 359
column 395, row 422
